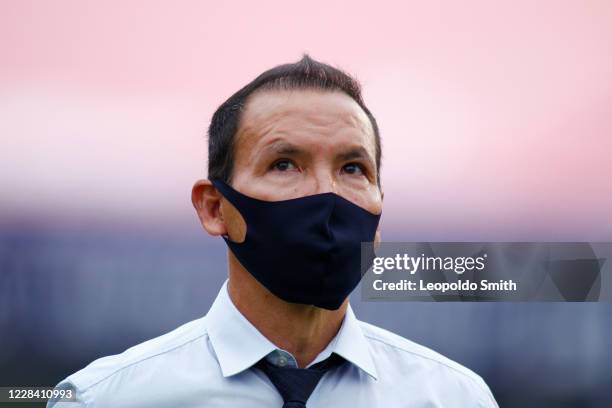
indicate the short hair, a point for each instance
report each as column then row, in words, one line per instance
column 304, row 74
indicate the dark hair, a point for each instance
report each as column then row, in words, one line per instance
column 304, row 74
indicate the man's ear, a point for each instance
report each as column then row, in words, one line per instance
column 378, row 236
column 207, row 203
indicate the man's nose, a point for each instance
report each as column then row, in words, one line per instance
column 324, row 183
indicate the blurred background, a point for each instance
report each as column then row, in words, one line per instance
column 496, row 119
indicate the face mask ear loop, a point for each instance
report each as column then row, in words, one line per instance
column 223, row 190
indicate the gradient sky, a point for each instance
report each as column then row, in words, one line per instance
column 496, row 117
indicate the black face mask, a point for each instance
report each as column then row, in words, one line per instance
column 304, row 250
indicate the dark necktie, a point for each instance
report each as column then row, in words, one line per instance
column 296, row 384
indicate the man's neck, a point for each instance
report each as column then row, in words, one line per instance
column 302, row 330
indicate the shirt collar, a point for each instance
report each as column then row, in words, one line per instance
column 238, row 344
column 351, row 343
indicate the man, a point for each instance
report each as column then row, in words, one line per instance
column 293, row 188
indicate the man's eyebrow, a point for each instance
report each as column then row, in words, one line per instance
column 358, row 152
column 283, row 147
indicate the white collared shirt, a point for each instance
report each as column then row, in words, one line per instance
column 207, row 363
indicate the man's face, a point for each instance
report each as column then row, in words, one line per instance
column 293, row 144
column 296, row 143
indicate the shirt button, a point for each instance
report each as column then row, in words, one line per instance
column 282, row 361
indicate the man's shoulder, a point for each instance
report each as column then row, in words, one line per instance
column 410, row 354
column 141, row 354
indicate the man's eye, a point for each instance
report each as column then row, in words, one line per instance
column 353, row 168
column 283, row 165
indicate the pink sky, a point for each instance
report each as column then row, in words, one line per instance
column 496, row 118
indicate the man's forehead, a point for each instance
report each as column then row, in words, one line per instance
column 269, row 108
